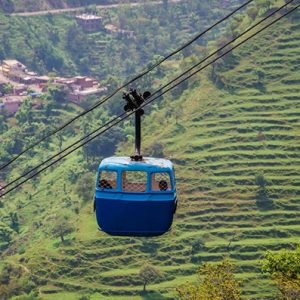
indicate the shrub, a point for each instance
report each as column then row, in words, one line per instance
column 216, row 282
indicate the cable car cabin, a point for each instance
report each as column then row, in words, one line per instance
column 135, row 198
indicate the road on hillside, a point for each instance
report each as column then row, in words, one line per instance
column 66, row 10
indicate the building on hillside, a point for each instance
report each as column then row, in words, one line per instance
column 11, row 104
column 11, row 66
column 80, row 87
column 115, row 30
column 77, row 83
column 89, row 22
column 19, row 89
column 42, row 79
column 68, row 82
column 16, row 71
column 77, row 96
column 30, row 73
column 84, row 82
column 42, row 83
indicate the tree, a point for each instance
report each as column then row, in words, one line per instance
column 216, row 282
column 104, row 146
column 7, row 6
column 25, row 114
column 14, row 141
column 14, row 281
column 263, row 200
column 85, row 186
column 6, row 235
column 284, row 268
column 157, row 150
column 60, row 139
column 58, row 93
column 261, row 181
column 51, row 58
column 3, row 124
column 112, row 83
column 265, row 4
column 62, row 227
column 252, row 12
column 148, row 273
column 165, row 4
column 14, row 221
column 7, row 89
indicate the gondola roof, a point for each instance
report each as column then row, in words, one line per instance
column 147, row 163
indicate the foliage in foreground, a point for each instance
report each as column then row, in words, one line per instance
column 215, row 282
column 284, row 267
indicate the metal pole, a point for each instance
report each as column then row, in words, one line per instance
column 138, row 135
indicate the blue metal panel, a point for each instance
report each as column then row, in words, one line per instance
column 123, row 217
column 153, row 196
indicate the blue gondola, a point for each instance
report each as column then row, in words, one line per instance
column 135, row 196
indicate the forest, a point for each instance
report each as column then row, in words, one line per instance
column 10, row 6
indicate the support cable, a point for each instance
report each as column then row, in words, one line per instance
column 151, row 100
column 156, row 92
column 124, row 86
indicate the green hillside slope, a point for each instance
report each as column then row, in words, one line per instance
column 224, row 143
column 234, row 136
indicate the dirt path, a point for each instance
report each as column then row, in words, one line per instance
column 66, row 10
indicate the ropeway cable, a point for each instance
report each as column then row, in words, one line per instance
column 150, row 101
column 166, row 85
column 124, row 86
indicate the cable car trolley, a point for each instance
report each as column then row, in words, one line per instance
column 135, row 196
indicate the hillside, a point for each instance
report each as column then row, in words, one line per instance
column 57, row 44
column 233, row 130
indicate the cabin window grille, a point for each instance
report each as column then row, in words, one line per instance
column 161, row 182
column 108, row 180
column 134, row 181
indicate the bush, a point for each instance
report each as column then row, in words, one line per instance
column 284, row 268
column 215, row 282
column 85, row 186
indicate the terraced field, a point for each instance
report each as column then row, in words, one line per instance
column 223, row 141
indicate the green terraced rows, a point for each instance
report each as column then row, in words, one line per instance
column 221, row 142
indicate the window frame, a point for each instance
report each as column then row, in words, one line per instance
column 113, row 190
column 135, row 192
column 159, row 191
column 149, row 174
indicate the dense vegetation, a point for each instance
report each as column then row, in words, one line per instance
column 10, row 6
column 233, row 133
column 55, row 43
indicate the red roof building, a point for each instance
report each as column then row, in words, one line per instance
column 11, row 104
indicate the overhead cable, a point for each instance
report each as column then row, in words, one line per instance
column 99, row 103
column 151, row 100
column 154, row 93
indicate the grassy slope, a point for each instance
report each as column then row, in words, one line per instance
column 218, row 153
column 217, row 147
